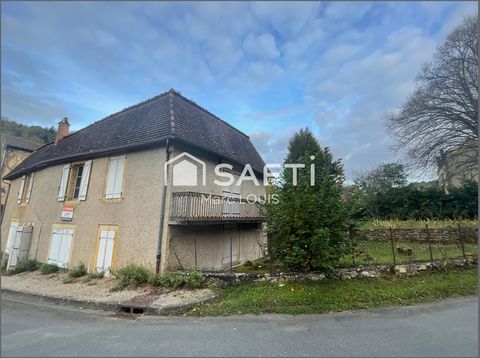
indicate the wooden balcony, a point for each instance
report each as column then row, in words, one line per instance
column 189, row 208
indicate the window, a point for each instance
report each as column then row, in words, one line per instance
column 74, row 182
column 107, row 240
column 232, row 198
column 115, row 171
column 25, row 191
column 60, row 247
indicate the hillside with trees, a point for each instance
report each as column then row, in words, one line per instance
column 34, row 133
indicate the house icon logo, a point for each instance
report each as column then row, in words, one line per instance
column 185, row 170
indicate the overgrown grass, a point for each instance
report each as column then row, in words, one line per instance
column 380, row 252
column 416, row 224
column 24, row 266
column 336, row 295
column 47, row 269
column 130, row 275
column 192, row 279
column 77, row 271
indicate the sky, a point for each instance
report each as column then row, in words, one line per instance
column 267, row 68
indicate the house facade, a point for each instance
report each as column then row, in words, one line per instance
column 458, row 165
column 138, row 187
column 13, row 151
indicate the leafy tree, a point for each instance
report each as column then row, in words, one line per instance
column 34, row 133
column 369, row 184
column 441, row 116
column 307, row 226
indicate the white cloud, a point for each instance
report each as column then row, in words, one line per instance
column 262, row 46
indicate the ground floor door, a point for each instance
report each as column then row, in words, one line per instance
column 106, row 244
column 60, row 247
column 230, row 246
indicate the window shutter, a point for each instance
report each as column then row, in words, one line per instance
column 63, row 183
column 115, row 177
column 117, row 189
column 20, row 191
column 29, row 190
column 11, row 236
column 84, row 182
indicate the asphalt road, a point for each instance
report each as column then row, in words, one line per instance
column 447, row 328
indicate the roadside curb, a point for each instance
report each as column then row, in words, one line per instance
column 104, row 306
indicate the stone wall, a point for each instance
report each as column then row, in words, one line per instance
column 442, row 234
column 372, row 271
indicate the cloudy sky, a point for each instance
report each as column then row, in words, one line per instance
column 267, row 68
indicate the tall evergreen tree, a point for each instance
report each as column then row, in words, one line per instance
column 308, row 225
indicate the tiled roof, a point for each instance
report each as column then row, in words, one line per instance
column 20, row 143
column 169, row 115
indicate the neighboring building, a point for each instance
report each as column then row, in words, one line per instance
column 13, row 150
column 458, row 165
column 97, row 196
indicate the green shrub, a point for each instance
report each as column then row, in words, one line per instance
column 77, row 271
column 47, row 269
column 96, row 275
column 193, row 279
column 27, row 265
column 131, row 275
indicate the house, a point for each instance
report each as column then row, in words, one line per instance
column 12, row 151
column 105, row 195
column 458, row 165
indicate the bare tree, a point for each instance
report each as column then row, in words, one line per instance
column 440, row 119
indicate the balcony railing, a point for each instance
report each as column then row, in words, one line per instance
column 191, row 207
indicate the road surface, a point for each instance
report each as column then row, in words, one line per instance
column 446, row 328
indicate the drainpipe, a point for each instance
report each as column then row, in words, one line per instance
column 162, row 209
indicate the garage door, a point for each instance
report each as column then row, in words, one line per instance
column 60, row 247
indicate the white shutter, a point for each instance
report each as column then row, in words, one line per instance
column 115, row 177
column 117, row 189
column 55, row 247
column 64, row 251
column 11, row 236
column 112, row 168
column 105, row 250
column 63, row 183
column 29, row 190
column 20, row 191
column 84, row 182
column 60, row 247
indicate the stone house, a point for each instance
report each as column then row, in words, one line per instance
column 458, row 165
column 97, row 196
column 13, row 150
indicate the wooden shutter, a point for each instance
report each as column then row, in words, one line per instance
column 29, row 190
column 115, row 177
column 64, row 182
column 11, row 236
column 84, row 182
column 105, row 250
column 55, row 247
column 60, row 247
column 20, row 191
column 64, row 251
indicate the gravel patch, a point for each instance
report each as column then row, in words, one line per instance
column 182, row 297
column 96, row 290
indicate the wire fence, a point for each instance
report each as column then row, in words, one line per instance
column 395, row 247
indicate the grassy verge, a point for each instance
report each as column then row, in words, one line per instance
column 336, row 295
column 415, row 224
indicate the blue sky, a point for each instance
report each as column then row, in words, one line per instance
column 266, row 68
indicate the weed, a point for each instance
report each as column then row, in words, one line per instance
column 68, row 279
column 47, row 269
column 27, row 265
column 192, row 279
column 131, row 275
column 77, row 271
column 96, row 275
